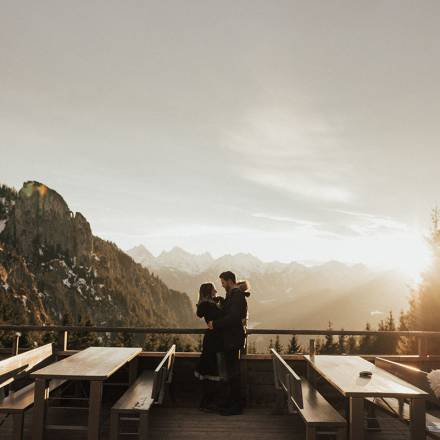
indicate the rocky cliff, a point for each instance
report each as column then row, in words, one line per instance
column 51, row 266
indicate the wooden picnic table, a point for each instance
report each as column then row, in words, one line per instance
column 342, row 372
column 94, row 364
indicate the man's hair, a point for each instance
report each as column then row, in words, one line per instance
column 228, row 276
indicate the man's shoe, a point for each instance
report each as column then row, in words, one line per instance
column 232, row 411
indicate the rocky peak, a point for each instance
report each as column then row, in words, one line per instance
column 41, row 217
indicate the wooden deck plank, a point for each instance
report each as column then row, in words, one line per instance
column 189, row 423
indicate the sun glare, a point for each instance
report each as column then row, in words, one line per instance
column 408, row 253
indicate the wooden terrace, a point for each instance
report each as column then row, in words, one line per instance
column 165, row 391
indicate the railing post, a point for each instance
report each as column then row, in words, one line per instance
column 312, row 349
column 422, row 344
column 62, row 340
column 15, row 343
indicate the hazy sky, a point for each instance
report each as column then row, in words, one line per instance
column 289, row 129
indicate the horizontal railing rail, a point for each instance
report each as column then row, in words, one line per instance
column 63, row 330
column 198, row 331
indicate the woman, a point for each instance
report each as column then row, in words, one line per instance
column 210, row 368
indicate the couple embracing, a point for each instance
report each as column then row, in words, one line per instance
column 219, row 364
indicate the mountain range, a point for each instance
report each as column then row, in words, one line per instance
column 290, row 295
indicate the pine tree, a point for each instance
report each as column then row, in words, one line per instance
column 151, row 342
column 366, row 345
column 294, row 346
column 270, row 344
column 252, row 347
column 278, row 347
column 352, row 345
column 386, row 344
column 329, row 346
column 406, row 345
column 424, row 308
column 342, row 342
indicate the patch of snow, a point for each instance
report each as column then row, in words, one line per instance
column 66, row 282
column 2, row 225
column 40, row 251
column 97, row 298
column 6, row 286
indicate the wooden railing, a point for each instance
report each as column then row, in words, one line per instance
column 423, row 337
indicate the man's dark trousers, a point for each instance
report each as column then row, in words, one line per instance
column 232, row 361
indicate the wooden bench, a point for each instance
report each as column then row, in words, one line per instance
column 319, row 416
column 12, row 371
column 148, row 389
column 400, row 408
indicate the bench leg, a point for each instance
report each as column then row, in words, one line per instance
column 341, row 434
column 310, row 432
column 114, row 425
column 18, row 422
column 143, row 426
column 133, row 370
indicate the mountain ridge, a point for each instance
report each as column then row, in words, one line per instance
column 52, row 266
column 284, row 295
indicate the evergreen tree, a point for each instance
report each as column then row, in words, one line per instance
column 151, row 342
column 329, row 346
column 352, row 345
column 293, row 345
column 270, row 344
column 342, row 342
column 199, row 346
column 406, row 345
column 424, row 308
column 318, row 346
column 252, row 347
column 278, row 347
column 386, row 344
column 124, row 340
column 366, row 345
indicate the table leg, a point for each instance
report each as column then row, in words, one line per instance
column 311, row 375
column 41, row 393
column 133, row 370
column 95, row 409
column 417, row 417
column 356, row 418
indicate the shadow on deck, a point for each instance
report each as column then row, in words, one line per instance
column 189, row 423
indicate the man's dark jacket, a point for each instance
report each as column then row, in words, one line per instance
column 234, row 311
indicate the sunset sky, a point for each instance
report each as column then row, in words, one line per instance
column 294, row 130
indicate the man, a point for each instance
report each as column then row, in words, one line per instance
column 235, row 313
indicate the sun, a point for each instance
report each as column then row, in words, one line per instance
column 411, row 255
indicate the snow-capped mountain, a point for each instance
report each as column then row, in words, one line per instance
column 178, row 258
column 286, row 294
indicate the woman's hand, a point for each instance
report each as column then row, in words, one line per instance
column 210, row 326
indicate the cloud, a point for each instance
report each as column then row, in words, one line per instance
column 299, row 155
column 367, row 224
column 282, row 219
